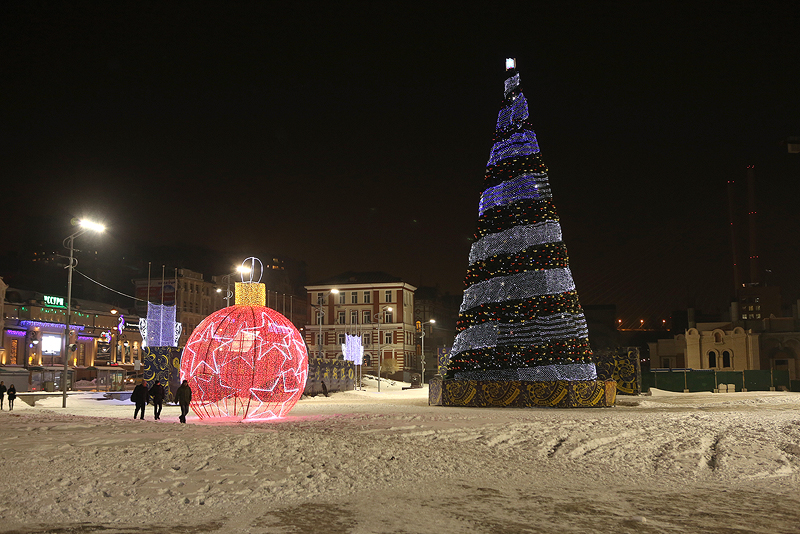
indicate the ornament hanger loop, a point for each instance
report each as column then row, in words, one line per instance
column 245, row 269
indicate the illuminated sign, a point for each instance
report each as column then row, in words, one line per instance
column 51, row 344
column 54, row 301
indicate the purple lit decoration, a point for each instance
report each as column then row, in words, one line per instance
column 121, row 324
column 16, row 332
column 159, row 329
column 57, row 326
column 520, row 188
column 86, row 338
column 352, row 349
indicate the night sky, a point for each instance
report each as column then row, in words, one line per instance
column 354, row 136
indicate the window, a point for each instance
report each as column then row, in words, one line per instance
column 354, row 297
column 354, row 317
column 320, row 339
column 340, row 318
column 388, row 296
column 319, row 318
column 367, row 317
column 342, row 298
column 341, row 339
column 387, row 338
column 388, row 317
column 726, row 359
column 366, row 340
column 367, row 298
column 712, row 360
column 320, row 298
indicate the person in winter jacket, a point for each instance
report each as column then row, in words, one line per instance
column 12, row 394
column 183, row 396
column 157, row 393
column 139, row 396
column 3, row 390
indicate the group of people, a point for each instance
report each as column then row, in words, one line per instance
column 12, row 394
column 157, row 393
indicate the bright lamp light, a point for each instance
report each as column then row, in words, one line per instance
column 97, row 227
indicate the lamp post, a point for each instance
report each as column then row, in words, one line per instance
column 242, row 269
column 380, row 342
column 422, row 349
column 85, row 226
column 321, row 312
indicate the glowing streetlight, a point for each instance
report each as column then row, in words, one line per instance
column 85, row 226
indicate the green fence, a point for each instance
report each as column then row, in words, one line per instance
column 707, row 380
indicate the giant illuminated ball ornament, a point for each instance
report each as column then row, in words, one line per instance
column 245, row 362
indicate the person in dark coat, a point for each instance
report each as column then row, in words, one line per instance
column 157, row 393
column 12, row 394
column 139, row 396
column 183, row 396
column 3, row 390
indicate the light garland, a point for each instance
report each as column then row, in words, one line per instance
column 519, row 144
column 57, row 326
column 528, row 185
column 518, row 286
column 541, row 373
column 511, row 115
column 536, row 331
column 514, row 239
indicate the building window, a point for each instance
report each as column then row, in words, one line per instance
column 367, row 317
column 354, row 317
column 387, row 338
column 366, row 339
column 712, row 360
column 320, row 298
column 341, row 339
column 726, row 359
column 367, row 297
column 354, row 297
column 388, row 296
column 388, row 317
column 320, row 339
column 340, row 319
column 342, row 297
column 319, row 318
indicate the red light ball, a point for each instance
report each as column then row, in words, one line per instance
column 245, row 363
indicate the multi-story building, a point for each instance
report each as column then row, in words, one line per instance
column 196, row 298
column 374, row 305
column 106, row 340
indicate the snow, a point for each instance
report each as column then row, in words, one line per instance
column 366, row 462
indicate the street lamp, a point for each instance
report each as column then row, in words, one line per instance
column 85, row 226
column 380, row 353
column 321, row 314
column 422, row 335
column 242, row 269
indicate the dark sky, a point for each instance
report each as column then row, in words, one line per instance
column 354, row 136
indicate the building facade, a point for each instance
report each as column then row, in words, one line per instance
column 103, row 341
column 375, row 306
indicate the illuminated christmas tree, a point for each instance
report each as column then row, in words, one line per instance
column 520, row 318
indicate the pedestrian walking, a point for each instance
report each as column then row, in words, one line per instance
column 139, row 396
column 12, row 394
column 183, row 396
column 3, row 390
column 157, row 394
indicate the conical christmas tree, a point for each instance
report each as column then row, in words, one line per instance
column 520, row 318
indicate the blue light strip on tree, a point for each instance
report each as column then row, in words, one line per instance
column 528, row 185
column 518, row 286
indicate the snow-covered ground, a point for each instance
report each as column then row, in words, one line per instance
column 368, row 462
